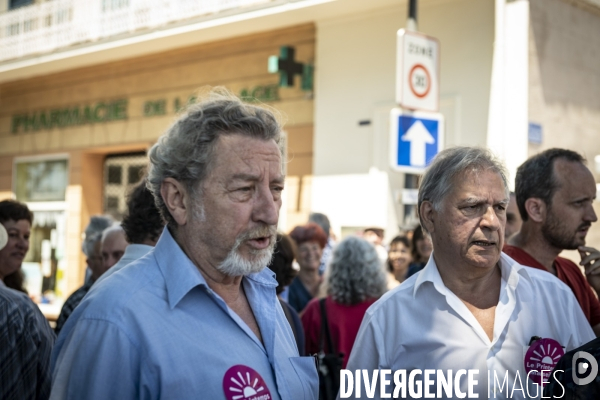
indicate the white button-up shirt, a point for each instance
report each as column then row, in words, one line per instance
column 423, row 325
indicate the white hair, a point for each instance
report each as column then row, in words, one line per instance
column 236, row 265
column 355, row 272
column 111, row 230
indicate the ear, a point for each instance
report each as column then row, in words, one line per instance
column 176, row 199
column 428, row 215
column 536, row 209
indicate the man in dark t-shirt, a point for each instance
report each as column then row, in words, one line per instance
column 555, row 191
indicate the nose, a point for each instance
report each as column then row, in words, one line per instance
column 23, row 243
column 490, row 220
column 109, row 262
column 590, row 214
column 266, row 207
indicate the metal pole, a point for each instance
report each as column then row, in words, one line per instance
column 411, row 180
column 411, row 24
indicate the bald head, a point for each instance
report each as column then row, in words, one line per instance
column 113, row 246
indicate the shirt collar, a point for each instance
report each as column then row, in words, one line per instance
column 137, row 250
column 431, row 274
column 2, row 284
column 181, row 275
column 511, row 272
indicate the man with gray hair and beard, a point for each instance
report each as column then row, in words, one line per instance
column 473, row 316
column 198, row 316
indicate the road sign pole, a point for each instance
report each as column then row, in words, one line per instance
column 416, row 126
column 411, row 180
column 411, row 23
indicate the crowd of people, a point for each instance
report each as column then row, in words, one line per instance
column 179, row 303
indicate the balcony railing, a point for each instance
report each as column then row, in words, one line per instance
column 52, row 25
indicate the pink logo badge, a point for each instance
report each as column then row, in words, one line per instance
column 542, row 355
column 243, row 383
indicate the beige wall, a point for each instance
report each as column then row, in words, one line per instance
column 356, row 75
column 6, row 164
column 237, row 64
column 564, row 78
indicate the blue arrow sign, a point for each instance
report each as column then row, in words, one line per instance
column 416, row 138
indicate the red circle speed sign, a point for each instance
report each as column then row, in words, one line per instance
column 419, row 77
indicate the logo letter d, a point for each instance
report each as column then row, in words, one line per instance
column 594, row 370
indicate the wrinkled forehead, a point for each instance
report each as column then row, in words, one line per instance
column 484, row 180
column 237, row 143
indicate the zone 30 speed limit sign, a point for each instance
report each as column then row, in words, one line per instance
column 417, row 71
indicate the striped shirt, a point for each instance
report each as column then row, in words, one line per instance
column 26, row 342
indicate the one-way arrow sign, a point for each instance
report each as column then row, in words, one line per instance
column 416, row 138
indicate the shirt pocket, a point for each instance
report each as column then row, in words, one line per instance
column 307, row 374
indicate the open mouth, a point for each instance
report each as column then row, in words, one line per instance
column 583, row 230
column 483, row 243
column 260, row 242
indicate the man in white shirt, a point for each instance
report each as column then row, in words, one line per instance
column 472, row 307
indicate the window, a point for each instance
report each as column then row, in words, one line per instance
column 135, row 173
column 113, row 5
column 12, row 4
column 114, row 174
column 121, row 173
column 41, row 180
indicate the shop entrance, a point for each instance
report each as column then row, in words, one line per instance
column 41, row 183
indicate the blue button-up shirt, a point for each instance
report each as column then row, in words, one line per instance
column 155, row 330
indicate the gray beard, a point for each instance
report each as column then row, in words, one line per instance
column 235, row 265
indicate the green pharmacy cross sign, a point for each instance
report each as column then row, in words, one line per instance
column 288, row 68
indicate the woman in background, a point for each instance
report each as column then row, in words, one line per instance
column 311, row 240
column 283, row 258
column 398, row 260
column 355, row 280
column 16, row 219
column 421, row 250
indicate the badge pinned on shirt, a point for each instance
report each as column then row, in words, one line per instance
column 542, row 355
column 243, row 383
